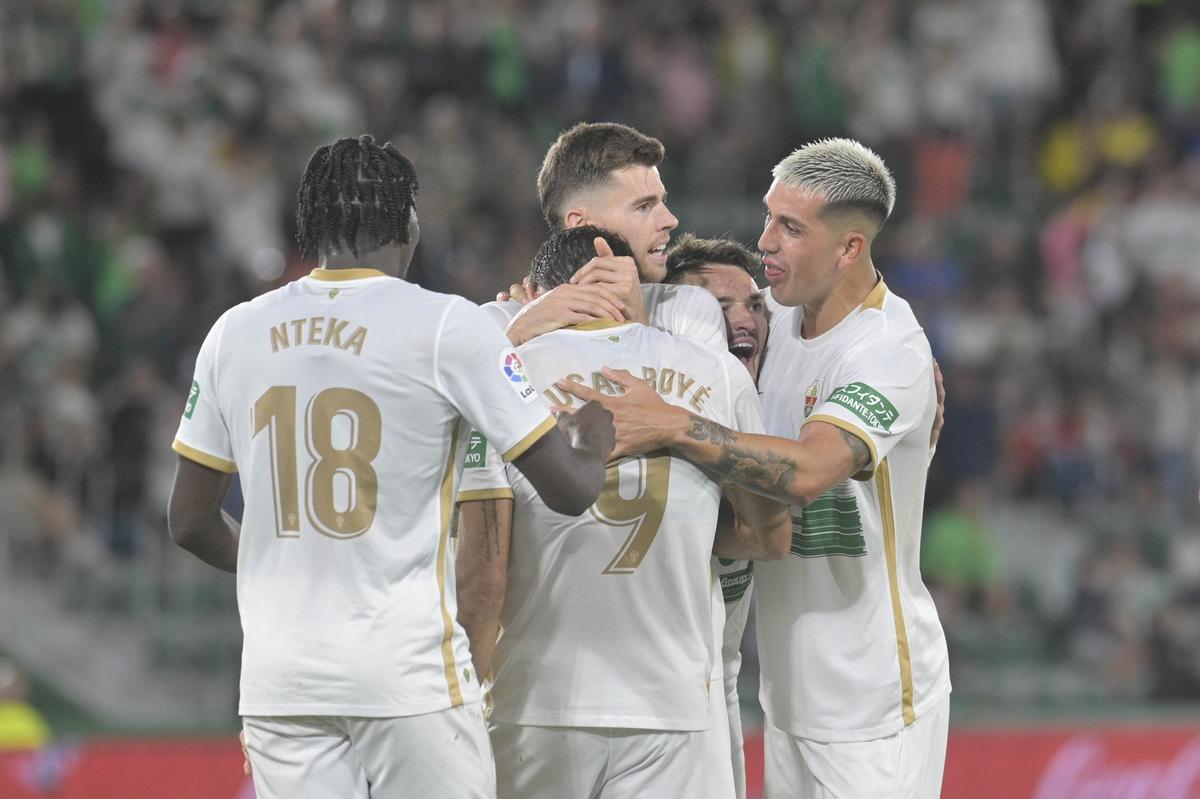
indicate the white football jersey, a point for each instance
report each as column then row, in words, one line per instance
column 688, row 311
column 849, row 641
column 607, row 620
column 339, row 399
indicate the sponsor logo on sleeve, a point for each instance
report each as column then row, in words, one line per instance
column 514, row 372
column 867, row 404
column 476, row 451
column 193, row 396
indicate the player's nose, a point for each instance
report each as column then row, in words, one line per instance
column 667, row 220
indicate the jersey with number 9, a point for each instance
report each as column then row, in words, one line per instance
column 608, row 617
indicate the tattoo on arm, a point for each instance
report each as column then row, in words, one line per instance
column 704, row 430
column 739, row 465
column 765, row 471
column 492, row 531
column 862, row 455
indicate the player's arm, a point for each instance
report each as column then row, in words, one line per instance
column 566, row 465
column 795, row 472
column 481, row 567
column 755, row 527
column 607, row 287
column 195, row 518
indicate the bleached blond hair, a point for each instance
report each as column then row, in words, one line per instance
column 848, row 175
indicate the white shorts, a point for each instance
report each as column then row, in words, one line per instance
column 733, row 709
column 907, row 765
column 722, row 784
column 597, row 762
column 443, row 754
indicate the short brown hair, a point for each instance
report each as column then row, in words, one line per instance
column 692, row 255
column 585, row 157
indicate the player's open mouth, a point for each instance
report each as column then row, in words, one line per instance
column 771, row 272
column 744, row 349
column 659, row 252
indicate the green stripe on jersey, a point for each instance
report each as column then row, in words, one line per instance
column 830, row 526
column 735, row 584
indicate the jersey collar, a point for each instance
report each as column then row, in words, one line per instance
column 874, row 299
column 344, row 274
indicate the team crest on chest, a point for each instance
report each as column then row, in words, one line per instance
column 810, row 398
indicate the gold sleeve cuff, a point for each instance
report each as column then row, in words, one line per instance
column 855, row 431
column 518, row 449
column 476, row 494
column 203, row 458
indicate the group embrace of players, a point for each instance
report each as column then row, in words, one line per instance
column 626, row 449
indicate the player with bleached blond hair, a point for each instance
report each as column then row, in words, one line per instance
column 855, row 680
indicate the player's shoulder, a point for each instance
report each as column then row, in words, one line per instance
column 689, row 350
column 664, row 292
column 890, row 333
column 664, row 299
column 501, row 312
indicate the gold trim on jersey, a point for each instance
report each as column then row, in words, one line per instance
column 883, row 486
column 597, row 324
column 478, row 494
column 853, row 430
column 518, row 449
column 446, row 506
column 203, row 458
column 344, row 274
column 874, row 300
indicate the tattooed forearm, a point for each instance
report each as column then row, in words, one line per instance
column 704, row 430
column 757, row 471
column 862, row 455
column 491, row 528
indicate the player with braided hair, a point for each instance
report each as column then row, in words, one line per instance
column 343, row 400
column 355, row 195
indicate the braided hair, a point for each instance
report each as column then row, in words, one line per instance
column 355, row 192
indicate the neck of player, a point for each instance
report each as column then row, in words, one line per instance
column 391, row 259
column 848, row 292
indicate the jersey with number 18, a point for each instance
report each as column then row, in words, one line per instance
column 608, row 617
column 339, row 400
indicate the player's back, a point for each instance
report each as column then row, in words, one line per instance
column 343, row 419
column 607, row 620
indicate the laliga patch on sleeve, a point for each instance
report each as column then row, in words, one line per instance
column 514, row 372
column 867, row 404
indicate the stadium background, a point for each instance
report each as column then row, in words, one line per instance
column 1046, row 231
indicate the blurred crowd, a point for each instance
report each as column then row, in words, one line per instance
column 1046, row 232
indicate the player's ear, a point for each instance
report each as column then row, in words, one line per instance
column 575, row 217
column 854, row 245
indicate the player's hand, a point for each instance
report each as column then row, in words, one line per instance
column 590, row 429
column 521, row 292
column 563, row 306
column 617, row 272
column 245, row 754
column 643, row 421
column 939, row 418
